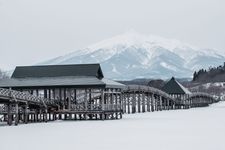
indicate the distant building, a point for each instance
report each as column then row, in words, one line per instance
column 176, row 90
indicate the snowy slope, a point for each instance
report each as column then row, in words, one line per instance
column 192, row 129
column 132, row 55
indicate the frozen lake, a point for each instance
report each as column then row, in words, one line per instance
column 193, row 129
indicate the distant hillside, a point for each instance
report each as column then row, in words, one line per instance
column 213, row 74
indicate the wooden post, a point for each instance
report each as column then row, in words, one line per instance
column 116, row 102
column 134, row 103
column 16, row 114
column 60, row 99
column 75, row 95
column 111, row 97
column 129, row 102
column 152, row 102
column 9, row 111
column 69, row 104
column 45, row 93
column 53, row 93
column 64, row 99
column 123, row 100
column 156, row 103
column 26, row 114
column 49, row 94
column 37, row 92
column 148, row 102
column 102, row 103
column 164, row 103
column 45, row 115
column 86, row 100
column 36, row 116
column 160, row 103
column 139, row 102
column 168, row 104
column 143, row 102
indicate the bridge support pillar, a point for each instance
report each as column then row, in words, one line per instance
column 168, row 104
column 16, row 114
column 128, row 103
column 26, row 114
column 152, row 102
column 9, row 113
column 156, row 103
column 160, row 103
column 139, row 103
column 148, row 102
column 45, row 115
column 143, row 102
column 134, row 103
column 35, row 116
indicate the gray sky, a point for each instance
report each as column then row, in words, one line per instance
column 35, row 30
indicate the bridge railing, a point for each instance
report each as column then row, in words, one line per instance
column 201, row 94
column 146, row 89
column 21, row 96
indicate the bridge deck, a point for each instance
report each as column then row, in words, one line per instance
column 17, row 106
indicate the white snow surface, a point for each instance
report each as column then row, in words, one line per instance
column 193, row 129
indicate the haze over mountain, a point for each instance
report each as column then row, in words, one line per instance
column 133, row 55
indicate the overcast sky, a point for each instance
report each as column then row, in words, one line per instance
column 35, row 30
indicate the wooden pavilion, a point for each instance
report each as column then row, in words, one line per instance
column 177, row 91
column 80, row 91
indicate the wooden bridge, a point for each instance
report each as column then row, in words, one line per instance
column 23, row 107
column 143, row 98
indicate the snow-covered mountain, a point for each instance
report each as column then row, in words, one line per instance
column 133, row 55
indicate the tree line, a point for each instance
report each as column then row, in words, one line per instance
column 213, row 74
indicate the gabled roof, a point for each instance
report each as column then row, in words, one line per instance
column 174, row 87
column 77, row 76
column 43, row 82
column 75, row 70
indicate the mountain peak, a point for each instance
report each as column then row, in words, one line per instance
column 134, row 38
column 132, row 54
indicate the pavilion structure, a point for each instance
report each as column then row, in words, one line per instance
column 178, row 92
column 79, row 91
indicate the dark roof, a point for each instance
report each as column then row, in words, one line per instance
column 77, row 76
column 44, row 82
column 174, row 87
column 51, row 82
column 93, row 70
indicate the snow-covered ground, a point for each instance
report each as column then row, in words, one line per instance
column 193, row 129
